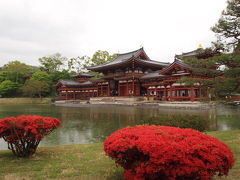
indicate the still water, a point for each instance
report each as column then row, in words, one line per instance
column 93, row 123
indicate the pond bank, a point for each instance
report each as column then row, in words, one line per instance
column 135, row 102
column 87, row 161
column 25, row 101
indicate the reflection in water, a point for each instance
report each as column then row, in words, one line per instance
column 92, row 124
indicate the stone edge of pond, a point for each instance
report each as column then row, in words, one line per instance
column 173, row 105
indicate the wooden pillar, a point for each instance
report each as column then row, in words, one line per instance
column 127, row 89
column 200, row 93
column 165, row 93
column 192, row 94
column 108, row 93
column 148, row 94
column 155, row 93
column 97, row 90
column 74, row 95
column 171, row 93
column 118, row 88
column 101, row 90
column 133, row 89
column 66, row 95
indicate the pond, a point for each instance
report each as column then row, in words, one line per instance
column 90, row 124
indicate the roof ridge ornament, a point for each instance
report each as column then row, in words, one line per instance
column 200, row 46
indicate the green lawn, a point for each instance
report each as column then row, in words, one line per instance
column 25, row 101
column 87, row 162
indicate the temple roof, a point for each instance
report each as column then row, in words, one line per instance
column 84, row 74
column 152, row 62
column 176, row 62
column 190, row 53
column 187, row 54
column 151, row 75
column 74, row 83
column 87, row 83
column 125, row 57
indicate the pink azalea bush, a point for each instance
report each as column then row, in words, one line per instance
column 24, row 133
column 168, row 153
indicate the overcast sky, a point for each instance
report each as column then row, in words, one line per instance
column 30, row 29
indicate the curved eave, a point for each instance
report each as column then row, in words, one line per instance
column 79, row 76
column 120, row 60
column 106, row 67
column 175, row 64
column 150, row 63
column 153, row 77
column 73, row 84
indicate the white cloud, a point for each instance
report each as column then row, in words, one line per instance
column 31, row 28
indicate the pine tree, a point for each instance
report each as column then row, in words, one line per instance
column 228, row 26
column 217, row 63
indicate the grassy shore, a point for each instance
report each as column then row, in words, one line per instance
column 25, row 100
column 87, row 162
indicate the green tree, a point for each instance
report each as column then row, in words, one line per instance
column 8, row 88
column 228, row 26
column 100, row 57
column 17, row 71
column 230, row 83
column 41, row 76
column 78, row 64
column 52, row 63
column 3, row 76
column 35, row 87
column 216, row 61
column 64, row 74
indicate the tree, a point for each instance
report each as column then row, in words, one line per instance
column 17, row 71
column 8, row 88
column 100, row 57
column 35, row 87
column 230, row 83
column 52, row 63
column 216, row 61
column 3, row 76
column 228, row 26
column 64, row 74
column 41, row 76
column 79, row 64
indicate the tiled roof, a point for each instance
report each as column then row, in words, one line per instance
column 176, row 61
column 154, row 74
column 188, row 54
column 83, row 74
column 69, row 82
column 87, row 83
column 74, row 83
column 152, row 62
column 123, row 58
column 119, row 59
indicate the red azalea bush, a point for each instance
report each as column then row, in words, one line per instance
column 24, row 133
column 168, row 153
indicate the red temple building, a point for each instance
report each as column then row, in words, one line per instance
column 135, row 74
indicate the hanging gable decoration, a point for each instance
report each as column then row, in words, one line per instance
column 176, row 68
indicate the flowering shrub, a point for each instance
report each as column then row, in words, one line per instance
column 24, row 133
column 168, row 153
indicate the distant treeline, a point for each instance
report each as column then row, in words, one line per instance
column 18, row 79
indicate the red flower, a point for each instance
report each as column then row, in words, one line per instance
column 23, row 133
column 161, row 152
